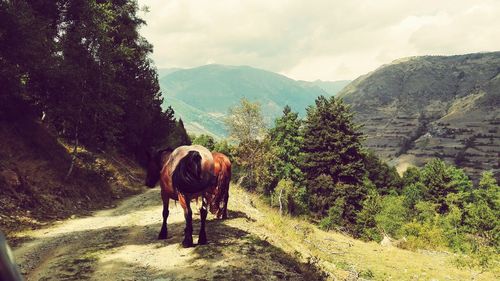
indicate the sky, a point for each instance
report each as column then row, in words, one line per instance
column 316, row 39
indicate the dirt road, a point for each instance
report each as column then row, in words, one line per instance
column 120, row 244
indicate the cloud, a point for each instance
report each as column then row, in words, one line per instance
column 321, row 39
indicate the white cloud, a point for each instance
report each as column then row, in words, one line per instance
column 321, row 39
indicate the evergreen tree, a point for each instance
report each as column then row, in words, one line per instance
column 385, row 178
column 84, row 64
column 332, row 143
column 441, row 179
column 285, row 141
column 333, row 160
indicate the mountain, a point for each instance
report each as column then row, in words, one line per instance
column 331, row 87
column 418, row 108
column 203, row 95
column 162, row 72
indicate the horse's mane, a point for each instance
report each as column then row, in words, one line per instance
column 188, row 180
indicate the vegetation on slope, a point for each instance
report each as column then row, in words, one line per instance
column 78, row 92
column 317, row 167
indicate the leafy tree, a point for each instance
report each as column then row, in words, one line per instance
column 392, row 215
column 371, row 206
column 245, row 125
column 205, row 140
column 290, row 197
column 441, row 179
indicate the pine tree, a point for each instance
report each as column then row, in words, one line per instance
column 332, row 143
column 286, row 140
column 333, row 160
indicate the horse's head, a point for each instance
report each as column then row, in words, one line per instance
column 155, row 164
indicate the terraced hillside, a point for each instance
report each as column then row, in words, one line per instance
column 433, row 106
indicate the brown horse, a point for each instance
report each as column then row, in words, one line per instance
column 187, row 173
column 219, row 194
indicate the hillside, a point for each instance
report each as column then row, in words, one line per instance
column 33, row 166
column 433, row 106
column 202, row 95
column 254, row 243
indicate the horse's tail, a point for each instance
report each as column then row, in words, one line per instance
column 222, row 187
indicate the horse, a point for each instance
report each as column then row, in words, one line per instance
column 219, row 194
column 187, row 173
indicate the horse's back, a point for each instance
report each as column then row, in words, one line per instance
column 181, row 151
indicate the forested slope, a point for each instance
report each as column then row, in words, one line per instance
column 79, row 107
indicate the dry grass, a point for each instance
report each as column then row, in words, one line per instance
column 343, row 257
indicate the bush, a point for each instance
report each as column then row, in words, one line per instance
column 392, row 215
column 293, row 198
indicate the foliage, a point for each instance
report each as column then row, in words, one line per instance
column 366, row 222
column 224, row 147
column 332, row 143
column 245, row 123
column 392, row 215
column 293, row 197
column 205, row 140
column 84, row 64
column 441, row 179
column 285, row 141
column 385, row 178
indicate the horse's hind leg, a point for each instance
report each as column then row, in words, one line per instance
column 164, row 232
column 224, row 209
column 202, row 238
column 188, row 215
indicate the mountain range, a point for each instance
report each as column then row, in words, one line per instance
column 412, row 109
column 418, row 108
column 203, row 95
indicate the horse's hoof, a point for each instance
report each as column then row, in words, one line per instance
column 202, row 241
column 187, row 244
column 162, row 235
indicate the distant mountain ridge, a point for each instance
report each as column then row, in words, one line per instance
column 418, row 108
column 203, row 95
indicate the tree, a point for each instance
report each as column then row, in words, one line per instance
column 385, row 178
column 441, row 179
column 286, row 140
column 224, row 147
column 84, row 64
column 332, row 143
column 205, row 140
column 332, row 160
column 392, row 215
column 245, row 125
column 366, row 223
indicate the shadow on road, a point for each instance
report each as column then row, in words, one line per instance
column 134, row 253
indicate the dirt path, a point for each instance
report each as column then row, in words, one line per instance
column 121, row 244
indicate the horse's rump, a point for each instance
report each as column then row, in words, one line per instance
column 191, row 169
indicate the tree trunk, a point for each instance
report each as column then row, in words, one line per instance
column 73, row 157
column 281, row 203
